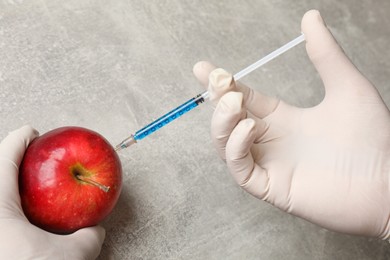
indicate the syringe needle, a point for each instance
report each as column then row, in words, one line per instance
column 195, row 101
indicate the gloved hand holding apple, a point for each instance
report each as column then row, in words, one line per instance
column 70, row 180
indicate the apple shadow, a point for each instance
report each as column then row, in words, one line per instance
column 119, row 224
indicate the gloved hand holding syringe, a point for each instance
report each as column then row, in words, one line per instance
column 195, row 101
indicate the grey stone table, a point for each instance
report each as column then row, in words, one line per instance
column 112, row 66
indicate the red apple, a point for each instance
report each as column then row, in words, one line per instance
column 70, row 178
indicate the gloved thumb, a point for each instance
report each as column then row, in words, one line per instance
column 85, row 243
column 12, row 149
column 247, row 173
column 337, row 72
column 202, row 70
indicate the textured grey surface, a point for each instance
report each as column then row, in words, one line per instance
column 112, row 66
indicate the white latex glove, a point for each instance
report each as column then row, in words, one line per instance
column 328, row 164
column 18, row 238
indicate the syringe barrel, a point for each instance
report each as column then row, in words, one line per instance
column 170, row 116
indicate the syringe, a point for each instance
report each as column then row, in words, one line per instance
column 195, row 101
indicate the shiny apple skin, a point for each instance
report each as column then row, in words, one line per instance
column 52, row 197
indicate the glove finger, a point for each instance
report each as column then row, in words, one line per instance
column 202, row 70
column 336, row 70
column 227, row 114
column 259, row 105
column 85, row 243
column 12, row 149
column 247, row 173
column 219, row 82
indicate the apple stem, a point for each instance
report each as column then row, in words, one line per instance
column 92, row 182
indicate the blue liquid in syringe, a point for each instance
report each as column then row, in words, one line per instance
column 168, row 117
